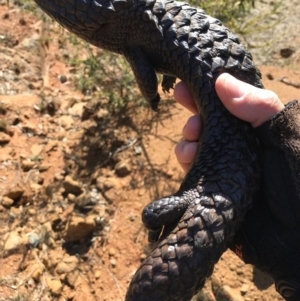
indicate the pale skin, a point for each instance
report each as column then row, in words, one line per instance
column 248, row 103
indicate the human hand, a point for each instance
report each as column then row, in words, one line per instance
column 269, row 237
column 244, row 101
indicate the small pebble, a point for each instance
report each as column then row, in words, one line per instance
column 63, row 78
column 111, row 251
column 113, row 262
column 244, row 289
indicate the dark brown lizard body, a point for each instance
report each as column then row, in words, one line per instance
column 179, row 41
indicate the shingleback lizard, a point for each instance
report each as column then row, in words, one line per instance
column 194, row 226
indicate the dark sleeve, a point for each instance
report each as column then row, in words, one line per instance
column 269, row 237
column 280, row 138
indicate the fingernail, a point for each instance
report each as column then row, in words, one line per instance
column 235, row 89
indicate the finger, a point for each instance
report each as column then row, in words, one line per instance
column 184, row 97
column 247, row 102
column 192, row 129
column 185, row 152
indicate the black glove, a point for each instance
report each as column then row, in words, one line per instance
column 269, row 238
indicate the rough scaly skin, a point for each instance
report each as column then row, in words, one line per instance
column 179, row 41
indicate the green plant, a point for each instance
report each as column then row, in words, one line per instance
column 104, row 74
column 225, row 10
column 36, row 159
column 235, row 14
column 3, row 125
column 27, row 5
column 256, row 23
column 20, row 298
column 2, row 108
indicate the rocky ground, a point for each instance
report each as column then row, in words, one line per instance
column 72, row 184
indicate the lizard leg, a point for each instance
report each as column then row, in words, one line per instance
column 163, row 213
column 168, row 83
column 145, row 75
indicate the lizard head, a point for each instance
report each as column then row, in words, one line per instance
column 96, row 21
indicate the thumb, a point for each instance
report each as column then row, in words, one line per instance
column 247, row 102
